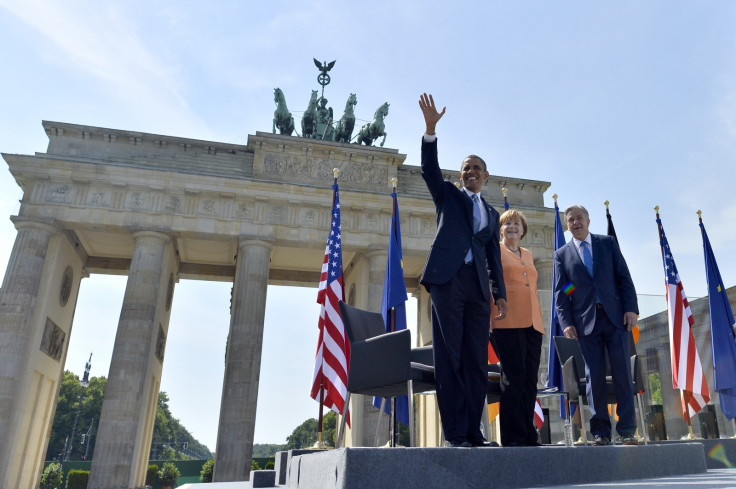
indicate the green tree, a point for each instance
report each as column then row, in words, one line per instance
column 52, row 477
column 151, row 475
column 329, row 429
column 207, row 470
column 168, row 475
column 263, row 450
column 171, row 440
column 72, row 395
column 303, row 435
column 655, row 387
column 77, row 479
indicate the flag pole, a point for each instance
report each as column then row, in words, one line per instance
column 702, row 230
column 392, row 326
column 684, row 399
column 320, row 443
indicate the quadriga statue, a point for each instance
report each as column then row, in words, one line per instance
column 282, row 118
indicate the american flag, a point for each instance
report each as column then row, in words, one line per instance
column 687, row 371
column 538, row 415
column 332, row 358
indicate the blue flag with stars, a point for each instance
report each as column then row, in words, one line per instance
column 554, row 370
column 393, row 304
column 722, row 337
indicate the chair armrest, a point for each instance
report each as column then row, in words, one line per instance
column 636, row 375
column 381, row 360
column 423, row 355
column 570, row 378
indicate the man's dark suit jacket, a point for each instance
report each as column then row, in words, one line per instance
column 610, row 285
column 455, row 233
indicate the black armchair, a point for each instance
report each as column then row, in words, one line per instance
column 383, row 364
column 574, row 380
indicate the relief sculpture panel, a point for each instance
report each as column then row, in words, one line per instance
column 320, row 169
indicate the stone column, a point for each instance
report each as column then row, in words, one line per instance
column 124, row 433
column 243, row 363
column 17, row 306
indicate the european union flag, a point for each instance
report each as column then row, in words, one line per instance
column 721, row 332
column 554, row 370
column 393, row 304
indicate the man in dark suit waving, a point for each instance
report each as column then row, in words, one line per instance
column 596, row 303
column 463, row 269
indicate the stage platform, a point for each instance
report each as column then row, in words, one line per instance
column 513, row 467
column 659, row 464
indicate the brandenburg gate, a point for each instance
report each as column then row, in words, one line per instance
column 161, row 208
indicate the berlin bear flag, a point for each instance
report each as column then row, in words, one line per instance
column 722, row 338
column 687, row 371
column 330, row 379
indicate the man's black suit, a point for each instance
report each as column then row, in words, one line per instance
column 460, row 300
column 596, row 309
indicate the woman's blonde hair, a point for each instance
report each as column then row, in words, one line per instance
column 514, row 214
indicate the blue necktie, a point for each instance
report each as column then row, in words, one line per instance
column 587, row 257
column 476, row 224
column 476, row 213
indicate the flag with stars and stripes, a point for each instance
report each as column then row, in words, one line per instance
column 687, row 371
column 333, row 355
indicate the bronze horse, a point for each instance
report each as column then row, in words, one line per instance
column 282, row 118
column 372, row 131
column 344, row 127
column 309, row 119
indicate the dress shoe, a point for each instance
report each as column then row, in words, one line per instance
column 483, row 443
column 601, row 441
column 629, row 440
column 459, row 443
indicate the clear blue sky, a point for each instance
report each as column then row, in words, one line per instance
column 632, row 102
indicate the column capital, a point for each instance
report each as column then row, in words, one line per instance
column 244, row 242
column 41, row 224
column 149, row 233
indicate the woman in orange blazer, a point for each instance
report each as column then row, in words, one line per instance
column 518, row 337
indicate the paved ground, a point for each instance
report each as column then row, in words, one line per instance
column 714, row 478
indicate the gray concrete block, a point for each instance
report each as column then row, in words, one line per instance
column 279, row 466
column 263, row 478
column 459, row 468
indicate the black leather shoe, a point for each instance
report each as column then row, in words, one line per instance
column 483, row 443
column 459, row 443
column 601, row 441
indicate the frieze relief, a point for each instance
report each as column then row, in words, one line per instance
column 275, row 214
column 137, row 200
column 242, row 210
column 172, row 204
column 309, row 167
column 208, row 207
column 59, row 193
column 52, row 342
column 98, row 198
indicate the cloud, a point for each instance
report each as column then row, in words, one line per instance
column 99, row 40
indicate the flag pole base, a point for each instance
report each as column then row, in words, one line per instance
column 690, row 435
